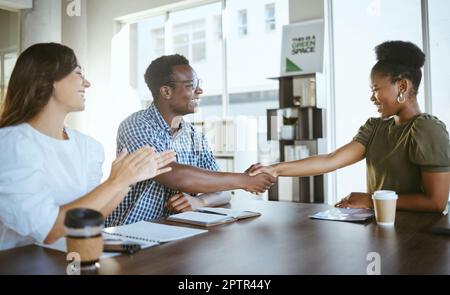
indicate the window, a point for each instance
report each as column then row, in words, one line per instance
column 198, row 26
column 218, row 27
column 181, row 40
column 189, row 39
column 251, row 62
column 439, row 28
column 7, row 62
column 148, row 43
column 270, row 17
column 199, row 43
column 356, row 32
column 197, row 33
column 157, row 36
column 242, row 23
column 9, row 46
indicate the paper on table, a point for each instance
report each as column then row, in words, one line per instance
column 344, row 214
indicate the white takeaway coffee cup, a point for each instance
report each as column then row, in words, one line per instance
column 385, row 205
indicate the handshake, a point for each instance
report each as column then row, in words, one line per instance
column 256, row 179
column 259, row 178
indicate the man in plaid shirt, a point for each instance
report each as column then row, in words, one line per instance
column 194, row 180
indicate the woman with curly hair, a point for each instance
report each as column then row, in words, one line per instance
column 406, row 151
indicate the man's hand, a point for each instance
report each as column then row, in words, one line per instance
column 182, row 202
column 257, row 168
column 356, row 200
column 258, row 183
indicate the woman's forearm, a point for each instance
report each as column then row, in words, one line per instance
column 103, row 198
column 421, row 202
column 115, row 201
column 316, row 165
column 100, row 198
column 311, row 166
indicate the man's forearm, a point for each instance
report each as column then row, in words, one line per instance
column 191, row 179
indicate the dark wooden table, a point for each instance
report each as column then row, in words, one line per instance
column 281, row 241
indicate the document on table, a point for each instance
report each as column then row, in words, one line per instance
column 344, row 214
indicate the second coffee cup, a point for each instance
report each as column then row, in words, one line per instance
column 385, row 205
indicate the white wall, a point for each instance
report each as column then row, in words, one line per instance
column 42, row 23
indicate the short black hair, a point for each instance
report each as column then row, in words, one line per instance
column 159, row 72
column 400, row 60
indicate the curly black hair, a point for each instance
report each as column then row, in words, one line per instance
column 400, row 60
column 159, row 72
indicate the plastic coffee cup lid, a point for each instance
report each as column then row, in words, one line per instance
column 384, row 195
column 83, row 217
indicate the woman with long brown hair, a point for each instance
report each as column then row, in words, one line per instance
column 45, row 167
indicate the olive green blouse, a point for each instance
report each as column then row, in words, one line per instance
column 396, row 154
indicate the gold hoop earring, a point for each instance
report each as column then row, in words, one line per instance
column 401, row 98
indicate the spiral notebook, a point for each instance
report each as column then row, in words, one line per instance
column 152, row 232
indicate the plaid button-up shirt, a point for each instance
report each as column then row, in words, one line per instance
column 147, row 199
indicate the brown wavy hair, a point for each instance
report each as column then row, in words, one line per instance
column 31, row 84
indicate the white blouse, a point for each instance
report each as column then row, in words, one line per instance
column 37, row 175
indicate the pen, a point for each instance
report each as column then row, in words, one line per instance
column 211, row 212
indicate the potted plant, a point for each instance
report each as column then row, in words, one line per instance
column 287, row 130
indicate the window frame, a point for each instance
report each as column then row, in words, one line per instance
column 270, row 20
column 242, row 23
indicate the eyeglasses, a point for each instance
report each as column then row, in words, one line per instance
column 81, row 72
column 195, row 83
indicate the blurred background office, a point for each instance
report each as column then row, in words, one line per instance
column 235, row 46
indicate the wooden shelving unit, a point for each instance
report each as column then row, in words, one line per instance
column 298, row 98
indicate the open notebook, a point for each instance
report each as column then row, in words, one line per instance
column 208, row 216
column 237, row 214
column 144, row 231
